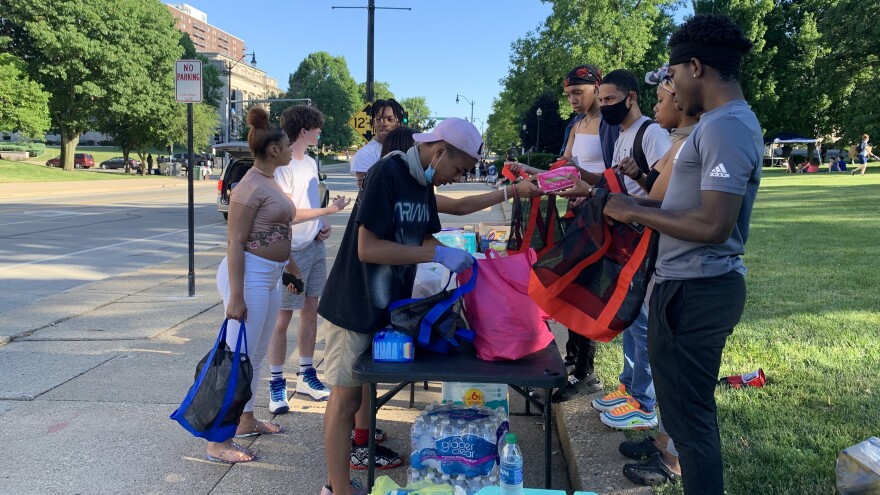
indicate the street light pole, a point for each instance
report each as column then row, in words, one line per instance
column 538, row 136
column 469, row 101
column 229, row 67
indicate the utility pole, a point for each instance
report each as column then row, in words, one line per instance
column 371, row 34
column 371, row 22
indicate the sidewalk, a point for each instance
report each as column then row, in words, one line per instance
column 91, row 375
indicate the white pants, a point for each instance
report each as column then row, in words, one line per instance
column 262, row 295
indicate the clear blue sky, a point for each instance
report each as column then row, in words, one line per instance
column 436, row 50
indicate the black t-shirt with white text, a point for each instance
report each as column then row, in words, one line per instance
column 396, row 208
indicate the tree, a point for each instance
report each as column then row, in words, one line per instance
column 851, row 72
column 503, row 131
column 326, row 80
column 212, row 85
column 381, row 91
column 205, row 119
column 24, row 106
column 552, row 127
column 608, row 33
column 417, row 109
column 67, row 47
column 760, row 72
column 140, row 101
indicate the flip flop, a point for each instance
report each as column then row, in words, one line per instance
column 256, row 431
column 232, row 447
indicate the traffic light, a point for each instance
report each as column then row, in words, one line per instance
column 405, row 118
column 233, row 97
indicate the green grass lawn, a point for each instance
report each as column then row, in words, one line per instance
column 99, row 153
column 29, row 172
column 812, row 322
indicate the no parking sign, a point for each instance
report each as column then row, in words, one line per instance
column 188, row 81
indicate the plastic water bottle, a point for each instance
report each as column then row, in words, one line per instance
column 493, row 481
column 460, row 485
column 446, row 479
column 418, row 431
column 475, row 485
column 501, row 443
column 511, row 467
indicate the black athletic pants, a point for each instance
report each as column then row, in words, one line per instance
column 688, row 325
column 583, row 349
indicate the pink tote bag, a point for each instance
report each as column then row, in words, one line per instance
column 507, row 324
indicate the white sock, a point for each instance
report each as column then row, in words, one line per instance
column 277, row 371
column 304, row 364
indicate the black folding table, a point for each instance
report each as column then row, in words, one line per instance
column 540, row 370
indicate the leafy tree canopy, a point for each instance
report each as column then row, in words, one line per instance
column 24, row 106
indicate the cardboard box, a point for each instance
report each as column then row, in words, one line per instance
column 491, row 395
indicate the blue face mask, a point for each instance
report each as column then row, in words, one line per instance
column 429, row 172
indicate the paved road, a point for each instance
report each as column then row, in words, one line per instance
column 52, row 244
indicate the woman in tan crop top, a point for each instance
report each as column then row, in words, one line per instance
column 249, row 277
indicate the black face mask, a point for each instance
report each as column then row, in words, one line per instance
column 614, row 114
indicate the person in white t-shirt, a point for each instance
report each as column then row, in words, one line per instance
column 299, row 179
column 385, row 116
column 632, row 405
column 618, row 95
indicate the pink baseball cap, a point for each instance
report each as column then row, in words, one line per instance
column 457, row 132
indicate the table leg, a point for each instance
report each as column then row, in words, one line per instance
column 547, row 438
column 528, row 403
column 412, row 394
column 371, row 460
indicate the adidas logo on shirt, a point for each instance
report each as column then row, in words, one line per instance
column 719, row 171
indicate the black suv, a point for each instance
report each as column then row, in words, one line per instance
column 241, row 162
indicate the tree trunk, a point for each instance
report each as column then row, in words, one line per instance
column 125, row 153
column 69, row 142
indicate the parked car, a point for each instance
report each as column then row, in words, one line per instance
column 242, row 161
column 119, row 162
column 80, row 160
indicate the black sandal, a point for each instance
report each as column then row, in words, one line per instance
column 639, row 451
column 649, row 473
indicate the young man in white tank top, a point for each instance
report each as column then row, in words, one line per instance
column 589, row 146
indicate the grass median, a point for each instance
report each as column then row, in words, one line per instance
column 29, row 172
column 812, row 322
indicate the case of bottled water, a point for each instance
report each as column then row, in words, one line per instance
column 457, row 445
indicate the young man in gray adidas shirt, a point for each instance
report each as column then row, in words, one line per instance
column 704, row 225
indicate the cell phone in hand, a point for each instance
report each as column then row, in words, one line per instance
column 288, row 278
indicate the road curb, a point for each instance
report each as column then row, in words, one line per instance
column 590, row 450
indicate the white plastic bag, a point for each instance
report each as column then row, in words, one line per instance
column 431, row 279
column 858, row 468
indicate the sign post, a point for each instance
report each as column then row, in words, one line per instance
column 360, row 122
column 188, row 89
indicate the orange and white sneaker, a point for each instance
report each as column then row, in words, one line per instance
column 612, row 400
column 629, row 416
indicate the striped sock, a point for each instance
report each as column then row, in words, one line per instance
column 305, row 363
column 277, row 372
